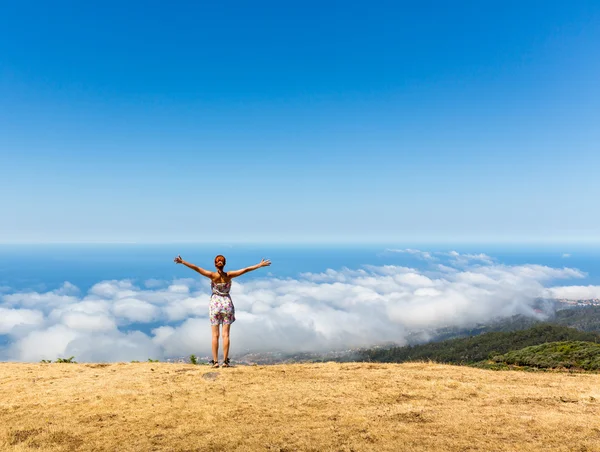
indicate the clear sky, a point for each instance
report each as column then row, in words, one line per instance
column 299, row 121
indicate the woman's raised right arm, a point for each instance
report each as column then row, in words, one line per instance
column 179, row 260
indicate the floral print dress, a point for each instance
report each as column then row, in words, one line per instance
column 221, row 309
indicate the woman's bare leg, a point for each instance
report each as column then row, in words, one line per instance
column 215, row 342
column 225, row 333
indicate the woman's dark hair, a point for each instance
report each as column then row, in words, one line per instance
column 224, row 260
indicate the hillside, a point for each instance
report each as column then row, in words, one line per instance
column 552, row 355
column 585, row 318
column 477, row 348
column 300, row 407
column 514, row 323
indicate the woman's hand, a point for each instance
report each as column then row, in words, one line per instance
column 264, row 263
column 179, row 260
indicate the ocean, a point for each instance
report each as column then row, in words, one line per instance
column 47, row 267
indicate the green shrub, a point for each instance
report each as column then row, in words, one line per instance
column 193, row 359
column 553, row 355
column 66, row 360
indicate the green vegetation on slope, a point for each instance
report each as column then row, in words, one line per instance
column 586, row 318
column 514, row 323
column 570, row 354
column 478, row 348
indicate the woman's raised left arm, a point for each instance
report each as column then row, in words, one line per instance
column 235, row 273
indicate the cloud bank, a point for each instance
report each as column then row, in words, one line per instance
column 120, row 320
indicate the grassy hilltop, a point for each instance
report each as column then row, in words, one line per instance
column 317, row 407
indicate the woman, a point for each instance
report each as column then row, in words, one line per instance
column 221, row 310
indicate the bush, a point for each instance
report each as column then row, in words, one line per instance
column 193, row 359
column 66, row 360
column 552, row 355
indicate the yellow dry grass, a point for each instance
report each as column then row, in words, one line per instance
column 318, row 407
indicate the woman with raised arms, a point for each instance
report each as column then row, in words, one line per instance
column 221, row 310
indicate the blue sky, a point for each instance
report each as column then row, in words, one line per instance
column 318, row 121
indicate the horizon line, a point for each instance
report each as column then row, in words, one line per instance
column 350, row 241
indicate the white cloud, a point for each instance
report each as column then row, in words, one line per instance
column 178, row 288
column 333, row 309
column 574, row 292
column 426, row 255
column 67, row 289
column 11, row 318
column 134, row 310
column 460, row 259
column 153, row 283
column 188, row 307
column 85, row 322
column 62, row 296
column 192, row 336
column 565, row 255
column 49, row 343
column 86, row 306
column 113, row 289
column 114, row 346
column 161, row 334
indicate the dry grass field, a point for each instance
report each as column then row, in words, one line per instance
column 318, row 407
